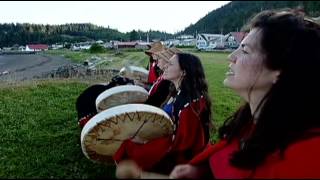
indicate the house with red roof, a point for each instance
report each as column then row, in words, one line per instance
column 36, row 47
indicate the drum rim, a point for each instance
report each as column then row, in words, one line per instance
column 119, row 89
column 139, row 69
column 111, row 112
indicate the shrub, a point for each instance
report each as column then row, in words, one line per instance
column 96, row 48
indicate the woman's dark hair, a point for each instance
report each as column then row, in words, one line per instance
column 194, row 85
column 291, row 44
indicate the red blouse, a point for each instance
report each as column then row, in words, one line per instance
column 189, row 139
column 301, row 160
column 152, row 73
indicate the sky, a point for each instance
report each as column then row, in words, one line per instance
column 168, row 16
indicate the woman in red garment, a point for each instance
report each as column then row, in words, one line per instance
column 160, row 89
column 190, row 108
column 276, row 134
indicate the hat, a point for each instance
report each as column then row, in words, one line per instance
column 168, row 53
column 155, row 47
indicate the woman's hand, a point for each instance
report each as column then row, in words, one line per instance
column 185, row 171
column 128, row 169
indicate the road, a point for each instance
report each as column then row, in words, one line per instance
column 22, row 67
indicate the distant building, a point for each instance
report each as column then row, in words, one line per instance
column 36, row 47
column 185, row 36
column 22, row 48
column 56, row 46
column 99, row 42
column 15, row 47
column 107, row 45
column 186, row 40
column 143, row 45
column 171, row 42
column 209, row 42
column 81, row 46
column 125, row 44
column 233, row 39
column 6, row 49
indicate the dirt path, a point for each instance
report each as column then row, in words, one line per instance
column 24, row 67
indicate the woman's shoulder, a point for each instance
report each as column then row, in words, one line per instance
column 307, row 148
column 195, row 105
column 300, row 160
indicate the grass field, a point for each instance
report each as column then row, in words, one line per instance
column 111, row 59
column 39, row 134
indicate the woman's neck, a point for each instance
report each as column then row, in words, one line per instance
column 254, row 101
column 177, row 86
column 177, row 83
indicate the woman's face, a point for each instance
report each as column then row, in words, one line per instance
column 172, row 70
column 246, row 68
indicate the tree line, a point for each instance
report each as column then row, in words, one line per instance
column 25, row 33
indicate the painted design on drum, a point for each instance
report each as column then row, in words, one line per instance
column 105, row 137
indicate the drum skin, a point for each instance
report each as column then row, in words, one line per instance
column 119, row 95
column 135, row 72
column 104, row 133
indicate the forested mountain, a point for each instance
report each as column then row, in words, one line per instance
column 26, row 33
column 232, row 16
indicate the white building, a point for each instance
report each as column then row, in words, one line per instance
column 56, row 46
column 186, row 40
column 81, row 46
column 233, row 39
column 142, row 45
column 171, row 42
column 209, row 42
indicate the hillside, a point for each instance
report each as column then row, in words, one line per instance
column 232, row 16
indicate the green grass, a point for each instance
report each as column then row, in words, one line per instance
column 224, row 100
column 111, row 59
column 39, row 134
column 75, row 56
